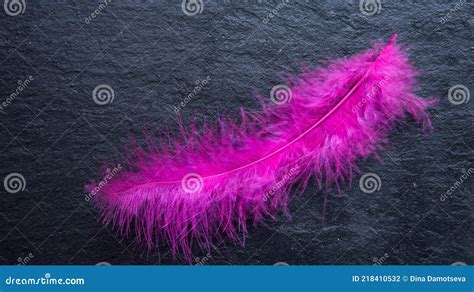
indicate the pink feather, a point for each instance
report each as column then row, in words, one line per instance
column 208, row 185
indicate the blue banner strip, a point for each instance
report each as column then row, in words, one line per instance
column 237, row 278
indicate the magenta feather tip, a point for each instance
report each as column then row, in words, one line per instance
column 208, row 185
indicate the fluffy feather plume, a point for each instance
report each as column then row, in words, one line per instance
column 209, row 184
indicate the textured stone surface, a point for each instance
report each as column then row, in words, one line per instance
column 152, row 54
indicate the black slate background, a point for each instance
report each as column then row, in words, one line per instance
column 151, row 54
